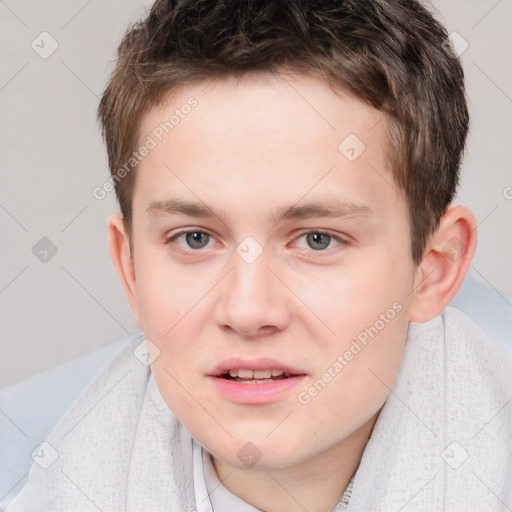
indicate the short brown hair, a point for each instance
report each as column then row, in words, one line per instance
column 392, row 54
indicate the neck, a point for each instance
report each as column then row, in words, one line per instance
column 316, row 485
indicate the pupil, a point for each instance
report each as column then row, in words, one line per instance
column 318, row 240
column 197, row 239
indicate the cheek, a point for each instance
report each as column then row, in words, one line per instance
column 164, row 294
column 184, row 398
column 354, row 380
column 170, row 307
column 350, row 301
column 367, row 310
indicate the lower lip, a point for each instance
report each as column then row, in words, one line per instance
column 263, row 393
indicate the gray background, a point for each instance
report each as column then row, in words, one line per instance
column 52, row 158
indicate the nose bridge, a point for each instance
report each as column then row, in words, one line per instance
column 252, row 297
column 249, row 280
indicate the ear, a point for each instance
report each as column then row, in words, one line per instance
column 444, row 264
column 120, row 253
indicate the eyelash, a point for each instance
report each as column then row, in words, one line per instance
column 341, row 241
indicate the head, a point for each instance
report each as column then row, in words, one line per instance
column 285, row 172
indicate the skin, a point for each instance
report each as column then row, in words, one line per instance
column 249, row 148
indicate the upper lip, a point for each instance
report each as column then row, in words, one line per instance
column 263, row 363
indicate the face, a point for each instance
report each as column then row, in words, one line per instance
column 272, row 266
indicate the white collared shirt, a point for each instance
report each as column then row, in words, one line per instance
column 212, row 496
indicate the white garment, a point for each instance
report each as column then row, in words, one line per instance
column 212, row 496
column 442, row 441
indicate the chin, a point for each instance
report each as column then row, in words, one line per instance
column 259, row 452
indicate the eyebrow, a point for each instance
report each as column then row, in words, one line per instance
column 329, row 208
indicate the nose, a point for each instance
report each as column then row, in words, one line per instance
column 253, row 300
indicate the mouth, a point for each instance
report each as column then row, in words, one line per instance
column 256, row 381
column 255, row 371
column 247, row 376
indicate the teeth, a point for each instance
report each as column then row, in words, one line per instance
column 256, row 374
column 262, row 374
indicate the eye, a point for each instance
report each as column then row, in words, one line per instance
column 319, row 241
column 193, row 239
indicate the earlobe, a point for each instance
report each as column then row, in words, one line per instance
column 444, row 265
column 120, row 253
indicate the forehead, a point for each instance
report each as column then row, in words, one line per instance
column 264, row 139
